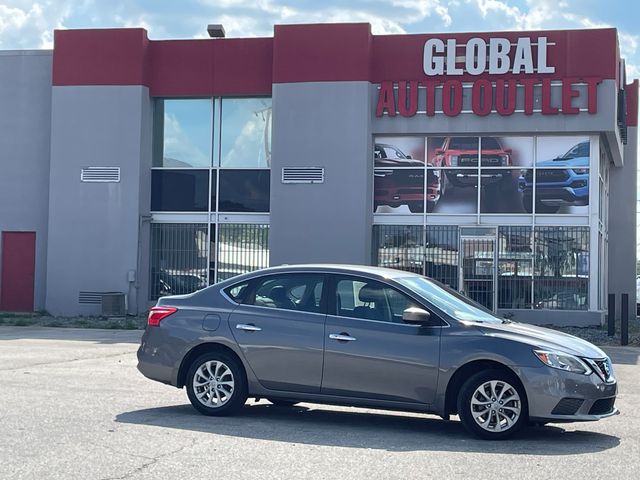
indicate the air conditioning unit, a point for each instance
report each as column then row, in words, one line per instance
column 114, row 304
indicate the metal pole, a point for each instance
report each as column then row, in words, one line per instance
column 611, row 315
column 624, row 320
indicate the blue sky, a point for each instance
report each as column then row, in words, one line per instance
column 29, row 24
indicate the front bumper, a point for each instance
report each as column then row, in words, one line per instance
column 588, row 397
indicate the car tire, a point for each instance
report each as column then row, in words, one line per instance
column 207, row 395
column 280, row 402
column 502, row 420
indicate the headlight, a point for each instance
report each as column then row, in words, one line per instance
column 563, row 361
column 453, row 159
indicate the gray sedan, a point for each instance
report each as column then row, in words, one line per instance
column 374, row 337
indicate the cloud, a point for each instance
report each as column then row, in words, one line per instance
column 30, row 25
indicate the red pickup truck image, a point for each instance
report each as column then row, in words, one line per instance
column 395, row 186
column 463, row 152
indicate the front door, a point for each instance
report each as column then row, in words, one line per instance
column 18, row 271
column 280, row 330
column 369, row 351
column 477, row 269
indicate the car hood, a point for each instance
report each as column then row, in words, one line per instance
column 570, row 162
column 543, row 338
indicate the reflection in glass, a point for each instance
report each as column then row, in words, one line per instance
column 183, row 133
column 441, row 254
column 244, row 190
column 241, row 249
column 500, row 191
column 246, row 132
column 398, row 190
column 399, row 246
column 179, row 190
column 178, row 258
column 561, row 262
column 515, row 269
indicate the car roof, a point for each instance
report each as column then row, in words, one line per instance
column 379, row 272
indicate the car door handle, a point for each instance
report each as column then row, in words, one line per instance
column 248, row 327
column 342, row 337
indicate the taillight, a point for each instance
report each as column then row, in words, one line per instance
column 158, row 313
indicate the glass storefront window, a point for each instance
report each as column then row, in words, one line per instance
column 183, row 133
column 515, row 268
column 398, row 190
column 244, row 190
column 241, row 249
column 561, row 263
column 178, row 258
column 245, row 132
column 400, row 247
column 458, row 191
column 441, row 254
column 502, row 191
column 180, row 190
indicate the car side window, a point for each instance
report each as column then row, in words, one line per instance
column 301, row 292
column 237, row 292
column 370, row 300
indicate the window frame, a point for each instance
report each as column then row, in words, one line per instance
column 254, row 282
column 332, row 309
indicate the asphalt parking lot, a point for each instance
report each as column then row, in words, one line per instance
column 73, row 405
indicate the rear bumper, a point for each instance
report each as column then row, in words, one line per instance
column 153, row 363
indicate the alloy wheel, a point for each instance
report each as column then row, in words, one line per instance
column 496, row 406
column 213, row 383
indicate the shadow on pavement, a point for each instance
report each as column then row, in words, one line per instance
column 357, row 429
column 73, row 334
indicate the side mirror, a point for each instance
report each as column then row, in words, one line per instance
column 416, row 316
column 409, row 156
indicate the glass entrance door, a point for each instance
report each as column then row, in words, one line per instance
column 477, row 269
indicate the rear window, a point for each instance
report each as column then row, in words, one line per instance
column 237, row 292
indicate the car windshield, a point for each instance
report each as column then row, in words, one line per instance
column 490, row 143
column 464, row 143
column 579, row 150
column 448, row 300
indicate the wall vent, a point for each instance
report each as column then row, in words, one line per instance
column 100, row 174
column 93, row 298
column 303, row 175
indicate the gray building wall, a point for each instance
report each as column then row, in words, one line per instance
column 93, row 227
column 324, row 124
column 622, row 225
column 25, row 123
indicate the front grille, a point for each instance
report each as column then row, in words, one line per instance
column 492, row 161
column 602, row 367
column 567, row 406
column 602, row 406
column 544, row 176
column 468, row 161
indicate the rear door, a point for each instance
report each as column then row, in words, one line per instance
column 370, row 353
column 280, row 329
